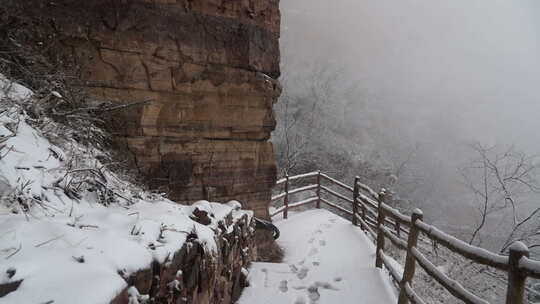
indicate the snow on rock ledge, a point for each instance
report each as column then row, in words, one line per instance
column 95, row 259
column 64, row 238
column 13, row 90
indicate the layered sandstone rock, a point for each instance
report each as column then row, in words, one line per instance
column 208, row 69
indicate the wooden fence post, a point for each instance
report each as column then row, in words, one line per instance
column 380, row 234
column 410, row 261
column 286, row 198
column 515, row 292
column 318, row 189
column 355, row 201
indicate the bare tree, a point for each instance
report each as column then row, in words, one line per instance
column 309, row 113
column 501, row 183
column 289, row 141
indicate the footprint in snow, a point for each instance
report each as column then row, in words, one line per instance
column 302, row 273
column 313, row 293
column 283, row 286
column 322, row 242
column 265, row 271
column 316, row 263
column 293, row 268
column 325, row 285
column 338, row 279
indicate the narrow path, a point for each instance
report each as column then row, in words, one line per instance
column 327, row 260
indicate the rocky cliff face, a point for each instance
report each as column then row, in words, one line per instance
column 208, row 69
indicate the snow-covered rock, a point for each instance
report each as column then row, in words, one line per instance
column 12, row 90
column 61, row 241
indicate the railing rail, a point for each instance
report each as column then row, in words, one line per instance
column 380, row 221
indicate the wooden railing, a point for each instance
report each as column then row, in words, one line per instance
column 370, row 211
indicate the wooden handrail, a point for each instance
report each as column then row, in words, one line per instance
column 366, row 226
column 369, row 210
column 389, row 221
column 336, row 206
column 531, row 267
column 413, row 297
column 399, row 243
column 305, row 175
column 281, row 195
column 305, row 188
column 336, row 194
column 370, row 191
column 390, row 266
column 477, row 254
column 396, row 215
column 371, row 221
column 338, row 183
column 451, row 285
column 278, row 211
column 376, row 218
column 303, row 202
column 369, row 202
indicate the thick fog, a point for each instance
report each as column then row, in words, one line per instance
column 472, row 67
column 442, row 73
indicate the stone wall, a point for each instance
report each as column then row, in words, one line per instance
column 208, row 69
column 193, row 275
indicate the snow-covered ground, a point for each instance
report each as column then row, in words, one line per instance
column 70, row 229
column 327, row 260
